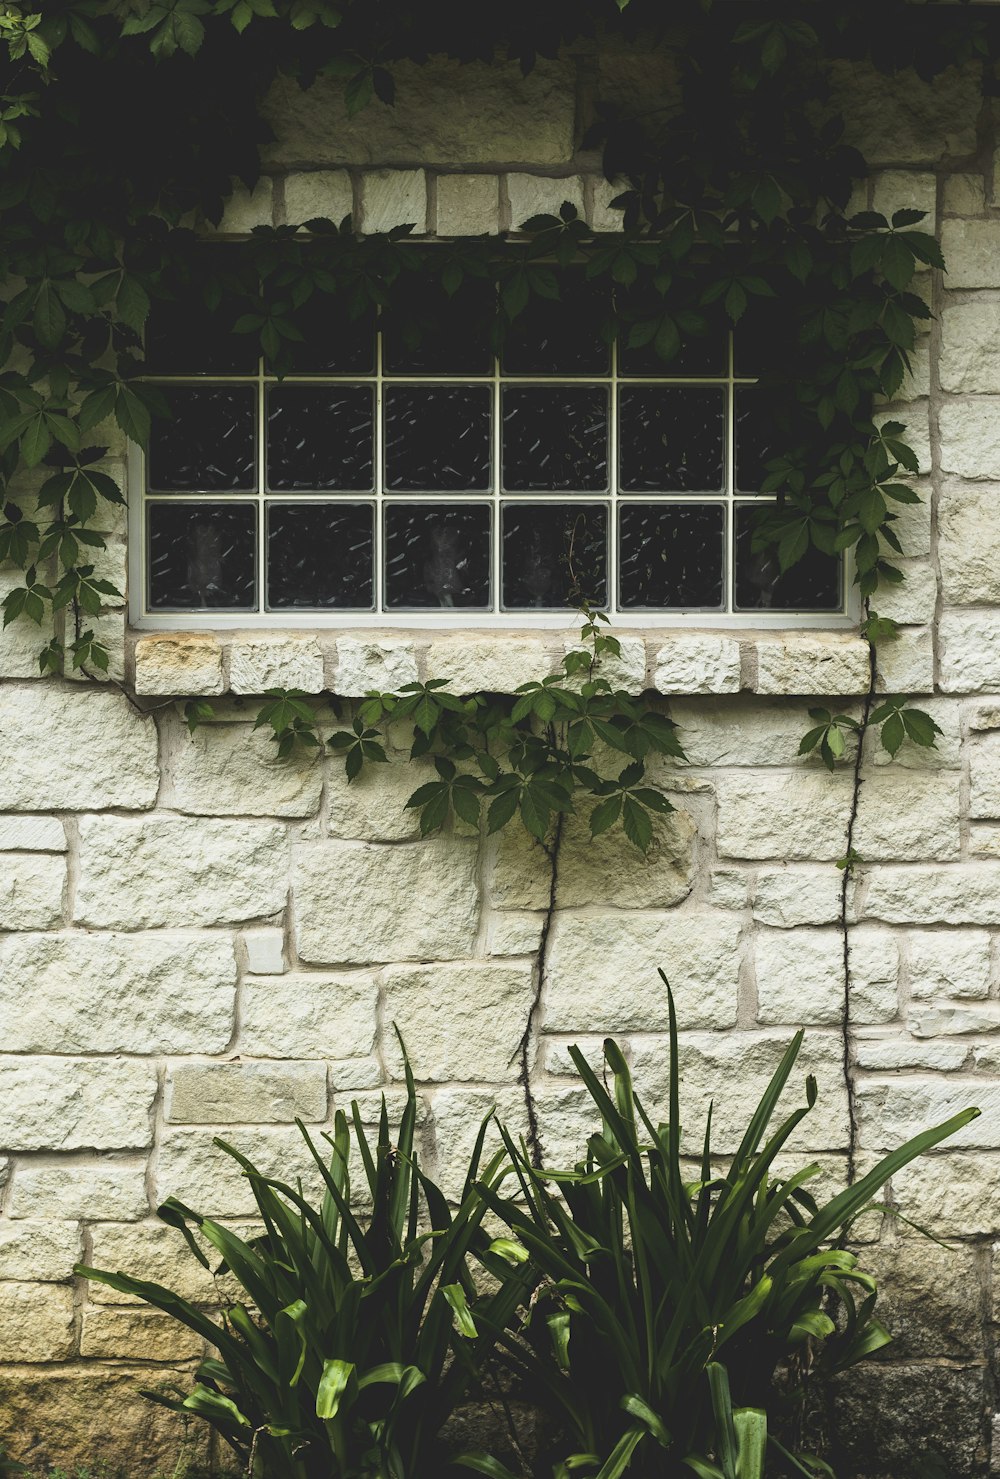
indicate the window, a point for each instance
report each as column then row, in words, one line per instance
column 398, row 480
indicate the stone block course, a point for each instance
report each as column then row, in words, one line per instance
column 74, row 750
column 109, row 1190
column 32, row 887
column 231, row 769
column 245, row 1093
column 441, row 1012
column 76, row 1103
column 36, row 1322
column 136, row 1335
column 309, row 1015
column 187, row 664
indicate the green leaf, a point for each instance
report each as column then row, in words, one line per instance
column 333, row 1383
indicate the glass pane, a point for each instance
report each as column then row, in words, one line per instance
column 561, row 336
column 766, row 340
column 814, row 584
column 672, row 556
column 320, row 555
column 333, row 343
column 437, row 555
column 202, row 556
column 757, row 436
column 208, row 444
column 187, row 337
column 705, row 352
column 426, row 331
column 437, row 438
column 671, row 438
column 555, row 438
column 555, row 555
column 320, row 436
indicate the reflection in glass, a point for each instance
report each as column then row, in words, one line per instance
column 671, row 556
column 671, row 438
column 437, row 555
column 554, row 555
column 332, row 343
column 320, row 436
column 437, row 438
column 555, row 438
column 814, row 584
column 320, row 556
column 208, row 444
column 428, row 331
column 561, row 336
column 756, row 442
column 201, row 556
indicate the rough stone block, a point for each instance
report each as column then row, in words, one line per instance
column 100, row 1191
column 31, row 891
column 76, row 1104
column 325, row 194
column 603, row 970
column 36, row 1322
column 259, row 661
column 246, row 209
column 886, row 1054
column 151, row 1250
column 972, row 252
column 960, row 893
column 950, row 1019
column 246, row 1093
column 514, row 932
column 800, row 977
column 233, row 769
column 791, row 817
column 163, row 871
column 948, row 963
column 893, row 121
column 792, row 896
column 968, row 526
column 41, row 1251
column 489, row 662
column 984, row 774
column 458, row 1114
column 894, row 1422
column 951, row 1193
column 532, row 195
column 440, row 1011
column 741, row 732
column 909, row 190
column 873, row 957
column 265, row 951
column 970, row 359
column 383, row 663
column 969, row 644
column 112, row 1334
column 626, row 671
column 98, row 752
column 602, row 216
column 698, row 662
column 912, row 603
column 184, row 664
column 32, row 834
column 893, row 1110
column 309, row 1015
column 812, row 663
column 394, row 197
column 909, row 816
column 359, row 902
column 372, row 807
column 203, row 1176
column 964, row 195
column 468, row 205
column 970, row 434
column 906, row 665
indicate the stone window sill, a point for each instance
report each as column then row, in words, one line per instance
column 793, row 662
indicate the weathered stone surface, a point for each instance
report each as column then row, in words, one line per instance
column 468, row 205
column 883, row 1054
column 962, row 893
column 151, row 1250
column 970, row 651
column 76, row 992
column 625, row 670
column 906, row 665
column 232, row 768
column 41, row 1251
column 947, row 1019
column 812, row 663
column 167, row 870
column 246, row 209
column 323, row 193
column 456, row 1117
column 891, row 1111
column 729, row 888
column 602, row 974
column 22, row 640
column 185, row 664
column 75, row 1104
column 372, row 807
column 203, row 1176
column 739, row 732
column 984, row 772
column 909, row 816
column 32, row 834
column 929, row 1299
column 873, row 957
column 968, row 525
column 891, row 120
column 246, row 1093
column 893, row 1422
column 36, row 1322
column 800, row 976
column 104, row 1191
column 970, row 436
column 602, row 216
column 912, row 603
column 910, row 190
column 383, row 663
column 440, row 1011
column 533, row 195
column 964, row 195
column 309, row 1015
column 265, row 951
column 970, row 360
column 487, row 662
column 136, row 1335
column 394, row 197
column 96, row 751
column 262, row 660
column 948, row 963
column 31, row 890
column 514, row 932
column 358, row 902
column 972, row 252
column 952, row 1194
column 444, row 113
column 764, row 815
column 698, row 662
column 792, row 896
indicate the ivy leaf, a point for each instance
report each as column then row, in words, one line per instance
column 605, row 815
column 893, row 733
column 638, row 824
column 502, row 808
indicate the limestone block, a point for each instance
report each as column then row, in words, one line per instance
column 972, row 253
column 41, row 1251
column 36, row 1322
column 639, row 79
column 514, row 932
column 729, row 888
column 372, row 807
column 970, row 435
column 964, row 195
column 246, row 209
column 394, row 197
column 906, row 665
column 76, row 992
column 106, row 1190
column 913, row 602
column 203, row 1176
column 602, row 216
column 746, row 731
column 151, row 1250
column 951, row 1193
column 532, row 195
column 259, row 661
column 798, row 816
column 309, row 1015
column 930, row 1298
column 457, row 1116
column 185, row 663
column 800, row 977
column 626, row 671
column 265, row 951
column 23, row 640
column 788, row 897
column 78, row 749
column 885, row 1054
column 31, row 891
column 909, row 816
column 948, row 1019
column 358, row 902
column 812, row 663
column 961, row 893
column 468, row 205
column 970, row 651
column 893, row 120
column 603, row 970
column 136, row 1335
column 234, row 769
column 968, row 528
column 76, row 1104
column 732, row 1069
column 873, row 957
column 698, row 662
column 909, row 190
column 893, row 1110
column 489, row 662
column 32, row 834
column 945, row 754
column 442, row 1010
column 913, row 520
column 445, row 113
column 246, row 1093
column 984, row 773
column 970, row 360
column 948, row 963
column 352, row 1076
column 326, row 194
column 166, row 870
column 383, row 663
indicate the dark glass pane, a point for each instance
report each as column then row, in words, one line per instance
column 672, row 556
column 554, row 555
column 814, row 584
column 758, row 435
column 561, row 336
column 437, row 438
column 202, row 556
column 426, row 331
column 320, row 436
column 320, row 555
column 555, row 438
column 671, row 438
column 333, row 343
column 208, row 445
column 704, row 339
column 766, row 340
column 186, row 336
column 437, row 555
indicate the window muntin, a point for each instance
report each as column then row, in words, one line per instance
column 390, row 477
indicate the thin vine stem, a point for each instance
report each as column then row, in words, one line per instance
column 527, row 1042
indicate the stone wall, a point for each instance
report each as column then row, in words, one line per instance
column 196, row 939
